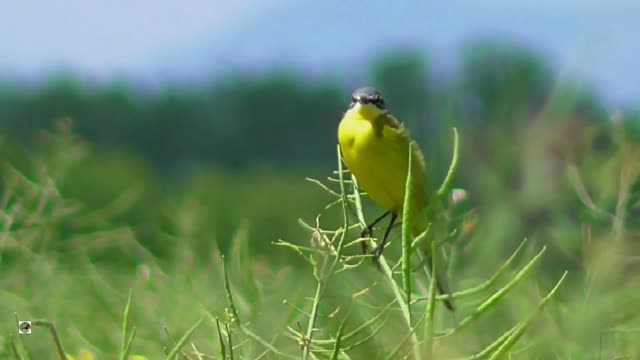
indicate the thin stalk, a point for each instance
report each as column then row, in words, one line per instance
column 327, row 270
column 397, row 291
column 406, row 240
column 431, row 304
column 485, row 285
column 515, row 336
column 125, row 326
column 54, row 334
column 498, row 295
column 173, row 354
column 448, row 180
column 407, row 220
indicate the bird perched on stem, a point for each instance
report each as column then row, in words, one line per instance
column 375, row 147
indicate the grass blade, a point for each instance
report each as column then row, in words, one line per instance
column 127, row 348
column 54, row 334
column 431, row 304
column 227, row 291
column 19, row 348
column 448, row 180
column 125, row 325
column 222, row 346
column 229, row 341
column 498, row 295
column 267, row 345
column 337, row 347
column 406, row 230
column 515, row 336
column 183, row 340
column 493, row 346
column 14, row 349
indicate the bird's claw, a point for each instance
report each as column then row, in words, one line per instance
column 365, row 246
column 377, row 253
column 365, row 235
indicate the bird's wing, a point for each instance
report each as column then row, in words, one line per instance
column 387, row 126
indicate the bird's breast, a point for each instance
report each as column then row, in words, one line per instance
column 355, row 136
column 356, row 142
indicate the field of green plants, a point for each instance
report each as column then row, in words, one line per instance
column 114, row 257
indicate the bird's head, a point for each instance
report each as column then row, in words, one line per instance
column 368, row 102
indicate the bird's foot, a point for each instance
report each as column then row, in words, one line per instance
column 365, row 235
column 377, row 253
column 364, row 245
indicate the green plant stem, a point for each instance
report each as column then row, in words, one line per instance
column 54, row 334
column 431, row 304
column 125, row 326
column 386, row 269
column 406, row 233
column 448, row 180
column 515, row 336
column 327, row 270
column 227, row 290
column 183, row 340
column 485, row 285
column 498, row 295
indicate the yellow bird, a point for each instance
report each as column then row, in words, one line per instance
column 375, row 147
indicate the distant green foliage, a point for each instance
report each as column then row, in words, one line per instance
column 243, row 120
column 107, row 188
column 83, row 254
column 229, row 143
column 237, row 122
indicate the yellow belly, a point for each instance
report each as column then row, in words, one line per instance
column 379, row 164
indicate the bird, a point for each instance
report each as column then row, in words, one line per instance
column 375, row 148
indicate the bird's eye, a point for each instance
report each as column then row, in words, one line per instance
column 378, row 102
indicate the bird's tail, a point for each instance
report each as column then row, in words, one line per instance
column 437, row 229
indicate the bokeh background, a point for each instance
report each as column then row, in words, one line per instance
column 141, row 133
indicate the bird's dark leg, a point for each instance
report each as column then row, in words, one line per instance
column 368, row 231
column 377, row 252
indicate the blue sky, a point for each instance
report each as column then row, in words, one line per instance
column 157, row 40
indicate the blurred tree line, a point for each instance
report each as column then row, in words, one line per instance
column 285, row 118
column 520, row 126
